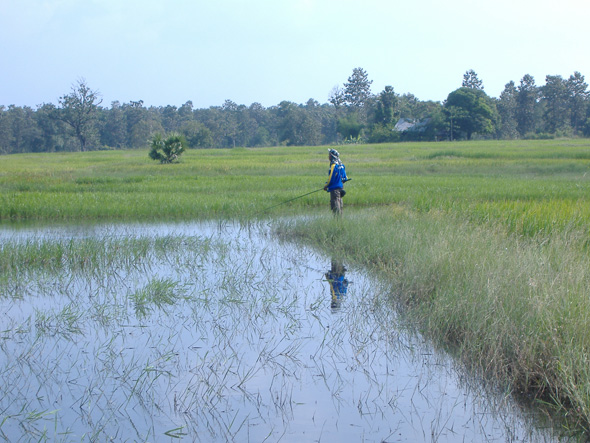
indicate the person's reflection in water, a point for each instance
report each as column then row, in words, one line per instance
column 338, row 283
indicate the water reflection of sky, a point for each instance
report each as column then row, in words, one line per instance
column 256, row 345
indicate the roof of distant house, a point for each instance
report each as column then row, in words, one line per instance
column 407, row 125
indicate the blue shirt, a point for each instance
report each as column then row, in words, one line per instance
column 337, row 177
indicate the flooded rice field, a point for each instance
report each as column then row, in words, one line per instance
column 219, row 332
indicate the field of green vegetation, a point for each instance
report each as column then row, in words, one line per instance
column 484, row 242
column 529, row 186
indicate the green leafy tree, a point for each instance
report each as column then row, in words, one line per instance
column 507, row 105
column 408, row 105
column 526, row 105
column 114, row 132
column 383, row 133
column 554, row 97
column 167, row 150
column 473, row 112
column 170, row 118
column 142, row 123
column 288, row 123
column 5, row 131
column 78, row 110
column 48, row 132
column 296, row 125
column 229, row 125
column 197, row 135
column 185, row 112
column 350, row 127
column 454, row 113
column 247, row 126
column 26, row 136
column 578, row 100
column 437, row 123
column 386, row 106
column 262, row 126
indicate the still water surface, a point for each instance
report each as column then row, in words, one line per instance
column 221, row 332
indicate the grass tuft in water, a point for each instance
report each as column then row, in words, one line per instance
column 158, row 293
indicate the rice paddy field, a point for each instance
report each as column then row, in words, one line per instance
column 470, row 258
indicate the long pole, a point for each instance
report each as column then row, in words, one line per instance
column 295, row 198
column 290, row 200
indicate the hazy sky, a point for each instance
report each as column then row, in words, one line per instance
column 171, row 51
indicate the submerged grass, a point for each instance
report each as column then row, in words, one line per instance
column 158, row 292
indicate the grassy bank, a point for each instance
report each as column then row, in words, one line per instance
column 512, row 307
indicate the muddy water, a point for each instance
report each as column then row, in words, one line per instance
column 225, row 334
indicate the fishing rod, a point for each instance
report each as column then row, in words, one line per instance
column 295, row 198
column 290, row 200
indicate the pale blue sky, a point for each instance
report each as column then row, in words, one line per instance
column 170, row 51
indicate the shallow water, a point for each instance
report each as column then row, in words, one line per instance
column 222, row 333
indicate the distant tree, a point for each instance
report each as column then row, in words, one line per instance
column 437, row 123
column 51, row 132
column 426, row 109
column 265, row 130
column 170, row 118
column 142, row 123
column 229, row 125
column 473, row 112
column 578, row 96
column 296, row 125
column 78, row 110
column 350, row 127
column 526, row 102
column 384, row 117
column 386, row 106
column 453, row 114
column 185, row 113
column 337, row 97
column 289, row 123
column 5, row 131
column 382, row 133
column 114, row 133
column 313, row 122
column 26, row 136
column 407, row 105
column 328, row 117
column 357, row 91
column 470, row 80
column 167, row 150
column 507, row 106
column 554, row 95
column 197, row 135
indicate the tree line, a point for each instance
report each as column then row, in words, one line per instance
column 353, row 114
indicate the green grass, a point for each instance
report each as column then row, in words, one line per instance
column 485, row 242
column 532, row 186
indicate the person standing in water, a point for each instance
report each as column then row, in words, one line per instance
column 335, row 184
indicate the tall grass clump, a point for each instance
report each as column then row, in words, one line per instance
column 514, row 308
column 158, row 292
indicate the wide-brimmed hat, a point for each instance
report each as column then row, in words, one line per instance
column 334, row 155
